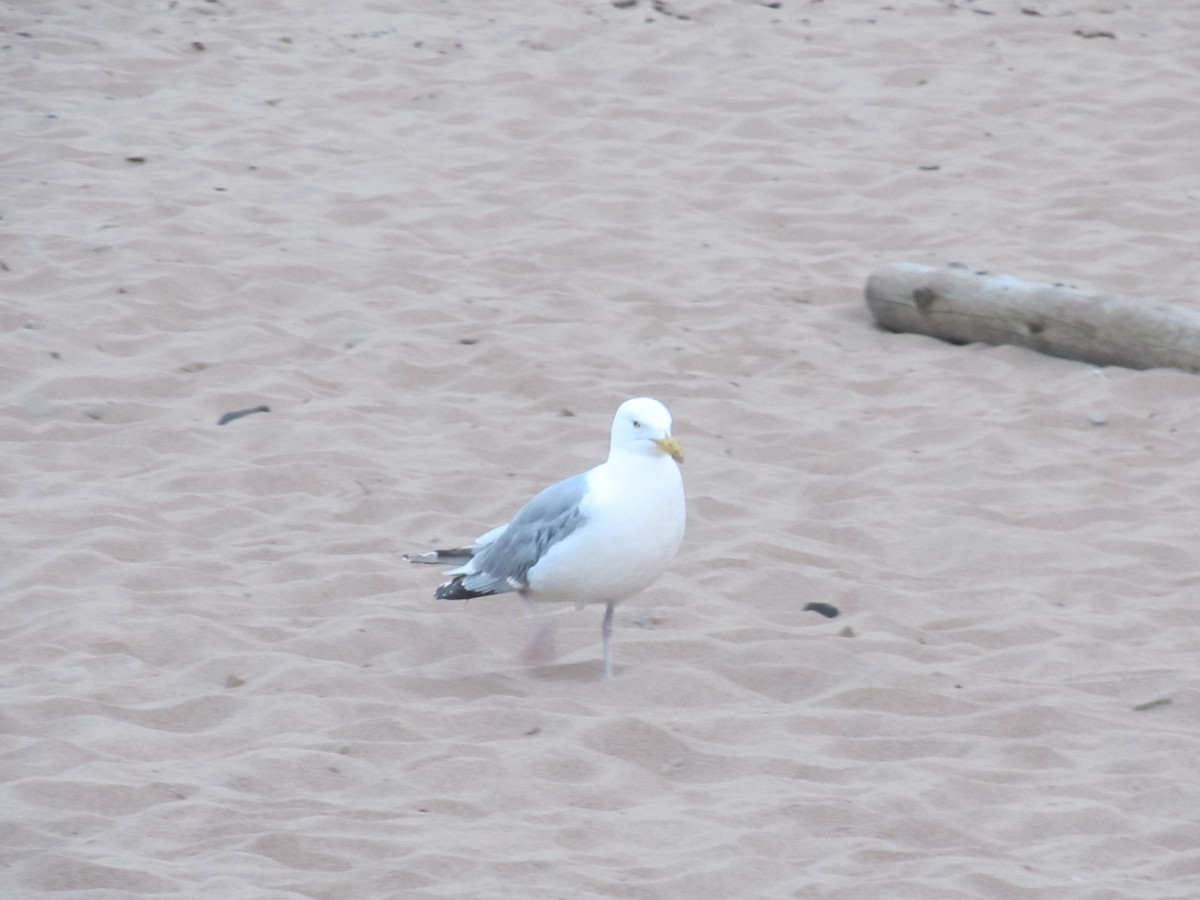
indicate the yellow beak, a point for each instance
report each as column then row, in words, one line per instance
column 672, row 448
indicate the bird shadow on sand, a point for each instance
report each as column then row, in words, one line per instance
column 584, row 672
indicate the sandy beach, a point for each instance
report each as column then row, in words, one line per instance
column 440, row 242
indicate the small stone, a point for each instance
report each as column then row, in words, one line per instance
column 827, row 610
column 1098, row 419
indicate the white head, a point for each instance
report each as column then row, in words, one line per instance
column 643, row 425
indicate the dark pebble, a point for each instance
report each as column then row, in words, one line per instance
column 237, row 414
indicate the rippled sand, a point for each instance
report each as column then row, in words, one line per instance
column 422, row 234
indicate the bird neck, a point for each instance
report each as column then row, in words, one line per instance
column 627, row 457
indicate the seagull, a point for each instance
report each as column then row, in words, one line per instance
column 599, row 537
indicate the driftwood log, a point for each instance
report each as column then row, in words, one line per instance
column 964, row 306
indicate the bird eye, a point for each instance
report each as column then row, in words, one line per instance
column 637, row 424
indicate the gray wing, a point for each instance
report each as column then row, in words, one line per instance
column 504, row 556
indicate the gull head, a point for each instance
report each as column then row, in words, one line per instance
column 643, row 425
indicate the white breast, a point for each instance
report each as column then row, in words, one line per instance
column 634, row 514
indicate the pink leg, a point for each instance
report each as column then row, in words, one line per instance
column 606, row 634
column 540, row 650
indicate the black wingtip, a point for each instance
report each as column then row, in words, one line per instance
column 454, row 590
